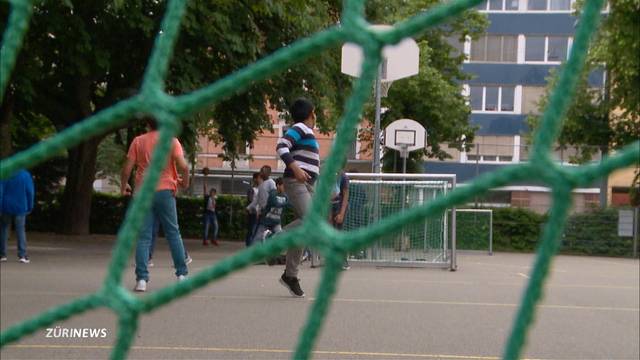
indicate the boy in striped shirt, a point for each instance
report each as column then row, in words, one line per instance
column 299, row 150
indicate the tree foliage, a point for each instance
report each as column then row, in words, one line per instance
column 80, row 57
column 603, row 118
column 618, row 46
column 433, row 97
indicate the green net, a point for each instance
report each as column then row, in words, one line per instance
column 168, row 110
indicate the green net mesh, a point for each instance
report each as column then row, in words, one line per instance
column 420, row 242
column 169, row 110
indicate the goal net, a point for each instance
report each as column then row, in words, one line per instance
column 373, row 197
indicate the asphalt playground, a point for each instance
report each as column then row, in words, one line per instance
column 590, row 309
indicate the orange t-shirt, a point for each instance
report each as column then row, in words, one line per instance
column 140, row 153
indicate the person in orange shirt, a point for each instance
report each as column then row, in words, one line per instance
column 163, row 206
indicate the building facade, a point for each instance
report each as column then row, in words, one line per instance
column 525, row 41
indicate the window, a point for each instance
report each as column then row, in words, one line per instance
column 509, row 48
column 537, row 5
column 495, row 4
column 557, row 50
column 488, row 158
column 495, row 49
column 482, row 6
column 534, row 48
column 549, row 5
column 476, row 97
column 511, row 4
column 499, row 5
column 591, row 200
column 508, row 93
column 546, row 48
column 492, row 98
column 530, row 97
column 520, row 199
column 560, row 5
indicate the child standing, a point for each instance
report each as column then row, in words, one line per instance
column 210, row 217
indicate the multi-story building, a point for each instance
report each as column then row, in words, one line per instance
column 510, row 66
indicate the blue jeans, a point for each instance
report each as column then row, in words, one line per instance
column 261, row 228
column 210, row 220
column 252, row 224
column 154, row 236
column 5, row 223
column 164, row 209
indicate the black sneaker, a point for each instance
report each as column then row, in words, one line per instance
column 292, row 284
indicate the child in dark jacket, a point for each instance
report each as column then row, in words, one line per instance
column 270, row 221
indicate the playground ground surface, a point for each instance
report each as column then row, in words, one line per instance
column 590, row 309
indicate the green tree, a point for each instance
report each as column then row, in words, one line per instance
column 80, row 57
column 434, row 96
column 618, row 47
column 605, row 118
column 601, row 119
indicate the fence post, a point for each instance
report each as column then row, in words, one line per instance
column 636, row 210
column 491, row 233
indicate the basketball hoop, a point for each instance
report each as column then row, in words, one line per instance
column 398, row 61
column 405, row 136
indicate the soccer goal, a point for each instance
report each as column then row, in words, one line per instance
column 431, row 242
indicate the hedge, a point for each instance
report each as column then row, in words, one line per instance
column 514, row 229
column 108, row 211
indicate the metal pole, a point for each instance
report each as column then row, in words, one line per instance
column 477, row 167
column 376, row 130
column 376, row 157
column 604, row 184
column 404, row 163
column 635, row 231
column 233, row 169
column 454, row 264
column 491, row 232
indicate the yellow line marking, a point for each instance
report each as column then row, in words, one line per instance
column 241, row 350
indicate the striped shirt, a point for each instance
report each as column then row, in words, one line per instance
column 300, row 145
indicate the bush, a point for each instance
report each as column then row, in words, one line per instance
column 472, row 230
column 108, row 212
column 596, row 233
column 516, row 229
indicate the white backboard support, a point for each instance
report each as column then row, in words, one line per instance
column 405, row 135
column 399, row 61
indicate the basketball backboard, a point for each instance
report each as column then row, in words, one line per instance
column 399, row 61
column 405, row 134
